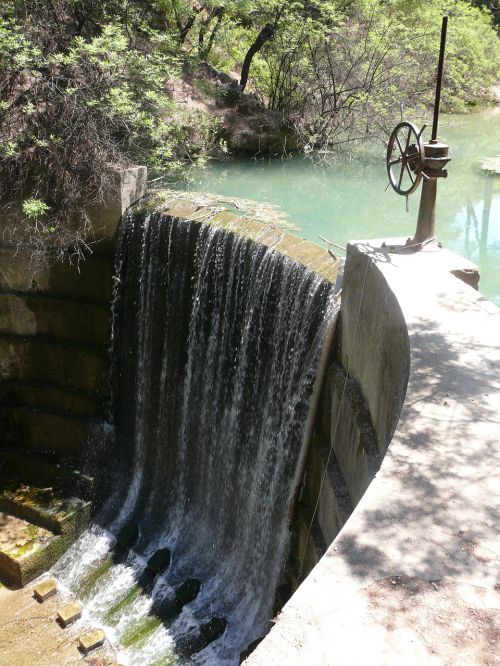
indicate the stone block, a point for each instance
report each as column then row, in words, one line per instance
column 69, row 613
column 128, row 535
column 35, row 360
column 48, row 507
column 91, row 640
column 59, row 319
column 159, row 560
column 25, row 550
column 88, row 280
column 47, row 588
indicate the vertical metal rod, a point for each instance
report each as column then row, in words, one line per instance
column 426, row 212
column 444, row 27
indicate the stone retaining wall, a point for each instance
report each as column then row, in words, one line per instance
column 54, row 339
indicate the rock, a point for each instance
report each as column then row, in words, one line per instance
column 248, row 104
column 69, row 613
column 91, row 640
column 187, row 591
column 225, row 79
column 208, row 70
column 231, row 93
column 196, row 641
column 212, row 629
column 159, row 561
column 258, row 132
column 128, row 535
column 47, row 588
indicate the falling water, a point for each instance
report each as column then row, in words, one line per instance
column 215, row 344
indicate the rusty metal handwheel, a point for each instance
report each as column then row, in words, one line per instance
column 405, row 158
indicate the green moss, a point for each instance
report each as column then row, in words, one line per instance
column 114, row 612
column 22, row 549
column 88, row 582
column 254, row 220
column 139, row 633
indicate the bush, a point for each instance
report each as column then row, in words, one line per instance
column 76, row 105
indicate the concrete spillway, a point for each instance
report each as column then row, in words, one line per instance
column 397, row 508
column 215, row 346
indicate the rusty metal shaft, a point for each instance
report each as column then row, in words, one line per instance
column 439, row 79
column 426, row 212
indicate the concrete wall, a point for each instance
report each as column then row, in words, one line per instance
column 398, row 487
column 410, row 578
column 54, row 338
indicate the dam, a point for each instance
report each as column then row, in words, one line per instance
column 268, row 464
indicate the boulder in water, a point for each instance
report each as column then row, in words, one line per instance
column 128, row 535
column 167, row 609
column 212, row 629
column 196, row 641
column 159, row 561
column 187, row 591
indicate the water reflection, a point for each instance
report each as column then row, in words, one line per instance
column 348, row 201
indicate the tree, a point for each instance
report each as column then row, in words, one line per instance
column 82, row 89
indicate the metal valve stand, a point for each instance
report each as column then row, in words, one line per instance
column 435, row 159
column 410, row 160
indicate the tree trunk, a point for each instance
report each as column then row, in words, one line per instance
column 216, row 14
column 267, row 33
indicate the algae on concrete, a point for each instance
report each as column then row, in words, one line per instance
column 141, row 631
column 112, row 616
column 39, row 523
column 87, row 583
column 260, row 222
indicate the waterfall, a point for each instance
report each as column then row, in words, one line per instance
column 215, row 344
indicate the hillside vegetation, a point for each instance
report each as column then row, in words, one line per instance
column 89, row 85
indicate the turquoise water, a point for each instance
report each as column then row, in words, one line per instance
column 347, row 201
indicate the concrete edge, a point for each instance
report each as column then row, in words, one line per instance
column 411, row 578
column 212, row 210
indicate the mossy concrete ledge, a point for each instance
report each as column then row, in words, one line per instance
column 412, row 576
column 239, row 217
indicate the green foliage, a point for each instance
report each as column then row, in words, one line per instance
column 34, row 208
column 340, row 73
column 83, row 87
column 81, row 96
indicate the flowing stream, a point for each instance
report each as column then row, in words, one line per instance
column 215, row 345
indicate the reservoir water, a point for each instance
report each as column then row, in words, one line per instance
column 347, row 200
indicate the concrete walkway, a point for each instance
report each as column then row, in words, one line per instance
column 413, row 576
column 30, row 635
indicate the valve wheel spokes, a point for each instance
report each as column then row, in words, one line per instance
column 405, row 155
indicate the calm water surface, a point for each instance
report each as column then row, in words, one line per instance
column 347, row 201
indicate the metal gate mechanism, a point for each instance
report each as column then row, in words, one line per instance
column 410, row 160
